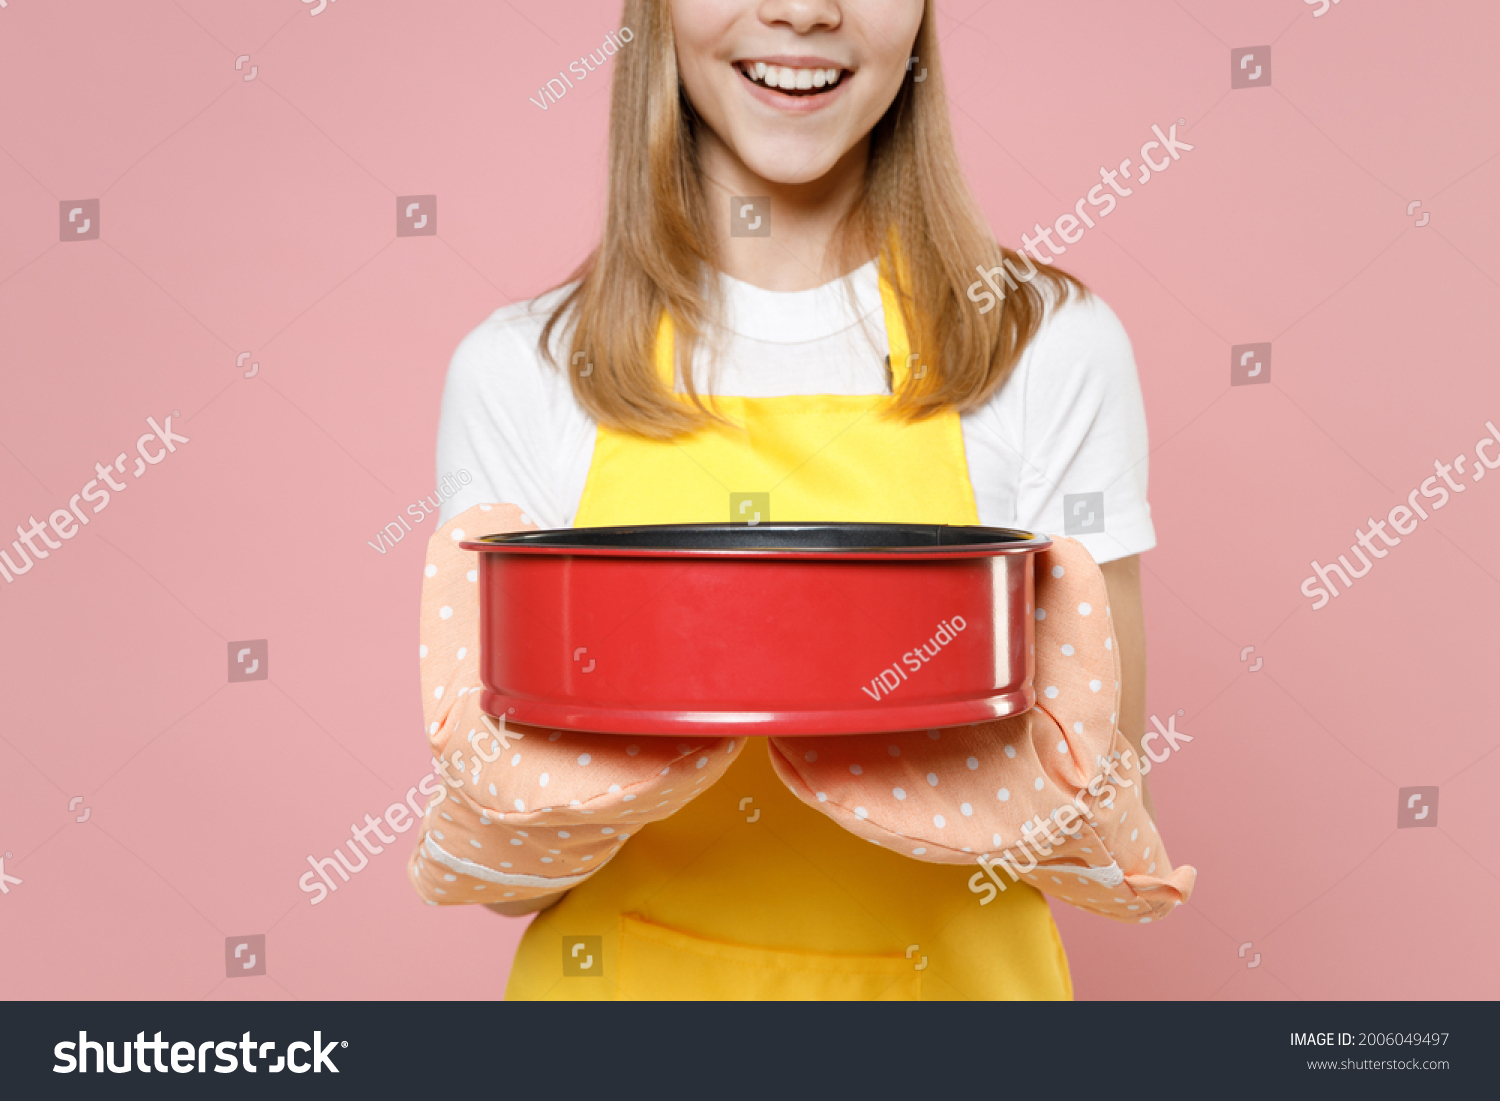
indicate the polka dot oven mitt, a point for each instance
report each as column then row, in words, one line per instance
column 528, row 811
column 951, row 796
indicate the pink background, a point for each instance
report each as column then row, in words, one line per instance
column 259, row 216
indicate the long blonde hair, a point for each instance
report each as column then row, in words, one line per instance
column 657, row 242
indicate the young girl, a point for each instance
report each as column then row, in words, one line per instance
column 796, row 296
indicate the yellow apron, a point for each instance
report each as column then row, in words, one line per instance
column 746, row 893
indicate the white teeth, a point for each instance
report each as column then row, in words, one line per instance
column 780, row 76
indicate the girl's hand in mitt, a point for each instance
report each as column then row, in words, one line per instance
column 1051, row 796
column 529, row 812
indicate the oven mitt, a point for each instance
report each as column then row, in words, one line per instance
column 957, row 795
column 526, row 811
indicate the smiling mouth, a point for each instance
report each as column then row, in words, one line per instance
column 791, row 81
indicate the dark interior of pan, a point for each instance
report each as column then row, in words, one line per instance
column 771, row 536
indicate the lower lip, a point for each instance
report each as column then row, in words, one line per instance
column 793, row 105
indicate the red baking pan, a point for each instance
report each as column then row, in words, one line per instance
column 784, row 629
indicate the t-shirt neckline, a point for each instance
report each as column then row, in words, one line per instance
column 796, row 317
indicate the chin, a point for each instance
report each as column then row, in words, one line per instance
column 789, row 162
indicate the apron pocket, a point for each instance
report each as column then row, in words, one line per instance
column 662, row 964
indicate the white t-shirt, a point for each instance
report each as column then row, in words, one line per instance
column 1069, row 420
